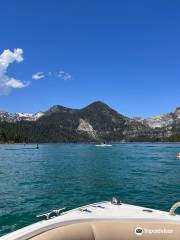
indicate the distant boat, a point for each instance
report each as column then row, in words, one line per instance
column 110, row 220
column 178, row 156
column 103, row 145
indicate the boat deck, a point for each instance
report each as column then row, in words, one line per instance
column 102, row 211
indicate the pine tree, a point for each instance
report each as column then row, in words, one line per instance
column 3, row 136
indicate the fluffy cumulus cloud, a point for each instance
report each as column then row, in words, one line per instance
column 64, row 75
column 8, row 83
column 14, row 83
column 38, row 75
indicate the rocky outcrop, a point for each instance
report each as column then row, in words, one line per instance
column 161, row 121
column 85, row 126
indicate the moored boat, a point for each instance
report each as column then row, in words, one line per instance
column 103, row 145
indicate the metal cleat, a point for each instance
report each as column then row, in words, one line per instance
column 53, row 213
column 58, row 212
column 46, row 216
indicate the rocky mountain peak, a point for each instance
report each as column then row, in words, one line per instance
column 100, row 107
column 177, row 110
column 57, row 109
column 98, row 104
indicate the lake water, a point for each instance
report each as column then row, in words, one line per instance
column 57, row 175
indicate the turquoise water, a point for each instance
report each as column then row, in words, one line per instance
column 71, row 175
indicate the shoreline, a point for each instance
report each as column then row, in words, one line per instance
column 87, row 143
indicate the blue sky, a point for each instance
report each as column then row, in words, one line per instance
column 125, row 53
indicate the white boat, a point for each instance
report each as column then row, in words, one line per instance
column 110, row 220
column 103, row 145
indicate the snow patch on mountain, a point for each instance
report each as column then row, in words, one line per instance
column 15, row 117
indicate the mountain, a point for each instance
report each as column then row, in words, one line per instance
column 167, row 125
column 95, row 122
column 162, row 120
column 14, row 117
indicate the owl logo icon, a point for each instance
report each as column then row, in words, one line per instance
column 139, row 231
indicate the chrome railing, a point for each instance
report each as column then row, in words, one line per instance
column 173, row 208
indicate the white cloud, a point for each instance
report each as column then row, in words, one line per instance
column 8, row 83
column 38, row 75
column 61, row 74
column 8, row 57
column 64, row 75
column 14, row 83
